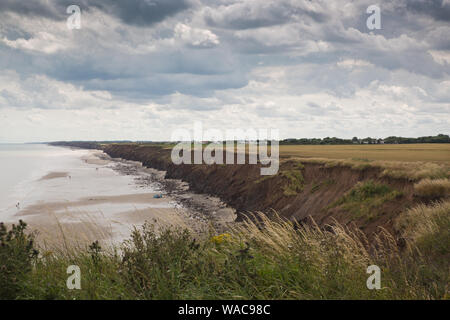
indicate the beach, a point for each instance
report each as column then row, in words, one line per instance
column 89, row 196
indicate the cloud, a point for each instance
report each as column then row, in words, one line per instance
column 437, row 9
column 41, row 92
column 256, row 14
column 199, row 38
column 42, row 42
column 137, row 69
column 352, row 64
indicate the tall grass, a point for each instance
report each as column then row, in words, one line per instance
column 432, row 189
column 428, row 227
column 259, row 258
column 413, row 171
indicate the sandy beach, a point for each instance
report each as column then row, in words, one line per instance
column 99, row 198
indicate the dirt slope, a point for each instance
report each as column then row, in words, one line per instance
column 296, row 192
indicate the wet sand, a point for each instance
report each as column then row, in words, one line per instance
column 55, row 175
column 143, row 198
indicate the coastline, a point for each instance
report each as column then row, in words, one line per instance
column 110, row 217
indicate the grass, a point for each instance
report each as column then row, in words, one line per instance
column 294, row 178
column 395, row 152
column 413, row 161
column 271, row 259
column 427, row 227
column 365, row 199
column 432, row 189
column 318, row 185
column 413, row 171
column 295, row 182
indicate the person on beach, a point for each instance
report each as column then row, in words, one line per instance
column 18, row 205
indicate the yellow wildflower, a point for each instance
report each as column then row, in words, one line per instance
column 221, row 238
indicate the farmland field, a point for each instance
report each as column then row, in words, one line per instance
column 389, row 152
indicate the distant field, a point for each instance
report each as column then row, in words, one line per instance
column 432, row 152
column 390, row 152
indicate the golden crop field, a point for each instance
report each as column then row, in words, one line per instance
column 390, row 152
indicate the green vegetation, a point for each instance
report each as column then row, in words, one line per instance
column 295, row 180
column 428, row 228
column 317, row 186
column 440, row 138
column 16, row 255
column 264, row 178
column 412, row 171
column 273, row 259
column 365, row 199
column 432, row 189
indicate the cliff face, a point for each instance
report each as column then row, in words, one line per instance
column 298, row 191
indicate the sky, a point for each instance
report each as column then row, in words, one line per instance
column 141, row 69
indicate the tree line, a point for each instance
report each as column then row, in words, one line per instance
column 440, row 138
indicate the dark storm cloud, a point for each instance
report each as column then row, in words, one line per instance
column 437, row 9
column 134, row 12
column 140, row 12
column 158, row 85
column 32, row 8
column 144, row 77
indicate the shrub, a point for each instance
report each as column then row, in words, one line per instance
column 432, row 189
column 158, row 264
column 427, row 229
column 16, row 255
column 295, row 182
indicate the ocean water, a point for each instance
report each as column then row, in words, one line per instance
column 21, row 166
